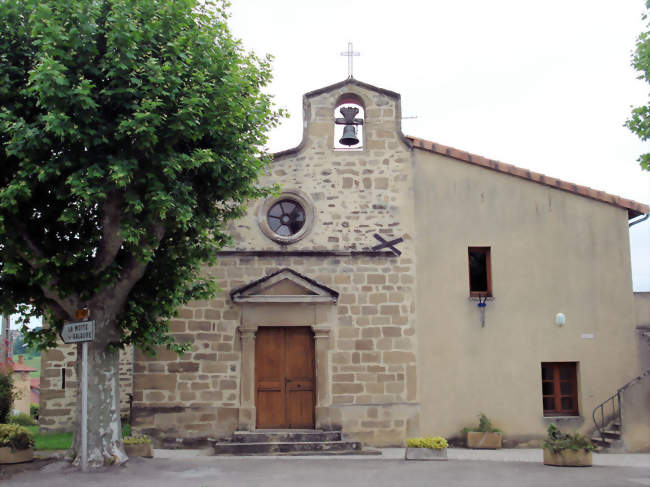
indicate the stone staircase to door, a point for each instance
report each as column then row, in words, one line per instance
column 289, row 442
column 611, row 438
column 608, row 419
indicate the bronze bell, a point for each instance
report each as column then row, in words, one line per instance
column 349, row 135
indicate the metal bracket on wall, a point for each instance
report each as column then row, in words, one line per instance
column 390, row 244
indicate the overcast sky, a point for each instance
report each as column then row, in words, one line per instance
column 542, row 85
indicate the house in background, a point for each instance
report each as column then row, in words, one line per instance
column 35, row 390
column 22, row 385
column 396, row 287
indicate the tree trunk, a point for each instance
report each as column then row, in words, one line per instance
column 104, row 427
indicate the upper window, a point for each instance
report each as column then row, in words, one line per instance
column 288, row 218
column 559, row 389
column 348, row 123
column 480, row 280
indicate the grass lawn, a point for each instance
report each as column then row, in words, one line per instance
column 50, row 441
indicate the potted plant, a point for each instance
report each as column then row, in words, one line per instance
column 16, row 444
column 138, row 446
column 484, row 435
column 427, row 448
column 565, row 450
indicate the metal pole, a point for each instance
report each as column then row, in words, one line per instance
column 84, row 406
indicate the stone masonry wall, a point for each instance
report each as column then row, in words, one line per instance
column 372, row 353
column 57, row 405
column 354, row 193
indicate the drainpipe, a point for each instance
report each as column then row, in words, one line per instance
column 634, row 222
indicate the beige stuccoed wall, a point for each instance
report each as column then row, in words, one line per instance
column 21, row 386
column 635, row 400
column 552, row 252
column 642, row 309
column 635, row 415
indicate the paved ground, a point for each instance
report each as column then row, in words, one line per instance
column 502, row 468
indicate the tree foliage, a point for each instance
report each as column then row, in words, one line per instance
column 639, row 121
column 7, row 392
column 130, row 134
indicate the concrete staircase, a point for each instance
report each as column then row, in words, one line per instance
column 612, row 440
column 289, row 442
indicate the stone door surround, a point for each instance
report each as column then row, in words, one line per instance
column 285, row 298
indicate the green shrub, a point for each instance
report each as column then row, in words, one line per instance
column 484, row 426
column 126, row 430
column 557, row 441
column 432, row 442
column 34, row 410
column 136, row 440
column 15, row 437
column 7, row 393
column 22, row 419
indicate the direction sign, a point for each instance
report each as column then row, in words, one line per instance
column 81, row 331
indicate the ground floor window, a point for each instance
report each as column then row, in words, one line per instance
column 560, row 388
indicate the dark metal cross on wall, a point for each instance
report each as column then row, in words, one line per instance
column 388, row 244
column 350, row 54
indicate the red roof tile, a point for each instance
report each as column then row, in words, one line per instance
column 22, row 368
column 633, row 208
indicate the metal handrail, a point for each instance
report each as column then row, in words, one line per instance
column 615, row 399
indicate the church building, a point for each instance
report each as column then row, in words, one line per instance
column 395, row 287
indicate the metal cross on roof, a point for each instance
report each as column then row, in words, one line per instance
column 350, row 54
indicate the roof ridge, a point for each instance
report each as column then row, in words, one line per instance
column 633, row 208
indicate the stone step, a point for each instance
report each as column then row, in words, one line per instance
column 285, row 436
column 607, row 443
column 296, row 447
column 306, row 453
column 610, row 433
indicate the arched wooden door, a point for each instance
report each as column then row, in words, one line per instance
column 284, row 377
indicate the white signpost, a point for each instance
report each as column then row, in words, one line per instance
column 82, row 332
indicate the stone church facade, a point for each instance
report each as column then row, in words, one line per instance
column 349, row 301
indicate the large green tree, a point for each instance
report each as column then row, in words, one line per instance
column 639, row 122
column 130, row 133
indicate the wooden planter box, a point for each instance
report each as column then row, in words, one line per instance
column 477, row 439
column 567, row 458
column 425, row 454
column 139, row 450
column 16, row 456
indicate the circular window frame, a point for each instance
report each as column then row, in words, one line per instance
column 296, row 196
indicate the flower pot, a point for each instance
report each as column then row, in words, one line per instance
column 425, row 454
column 477, row 439
column 139, row 450
column 16, row 456
column 567, row 458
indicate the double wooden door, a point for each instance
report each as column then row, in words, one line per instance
column 284, row 377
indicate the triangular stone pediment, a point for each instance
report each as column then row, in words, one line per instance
column 284, row 286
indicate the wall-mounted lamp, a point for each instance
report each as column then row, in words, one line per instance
column 560, row 319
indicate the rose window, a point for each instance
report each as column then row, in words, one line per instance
column 286, row 218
